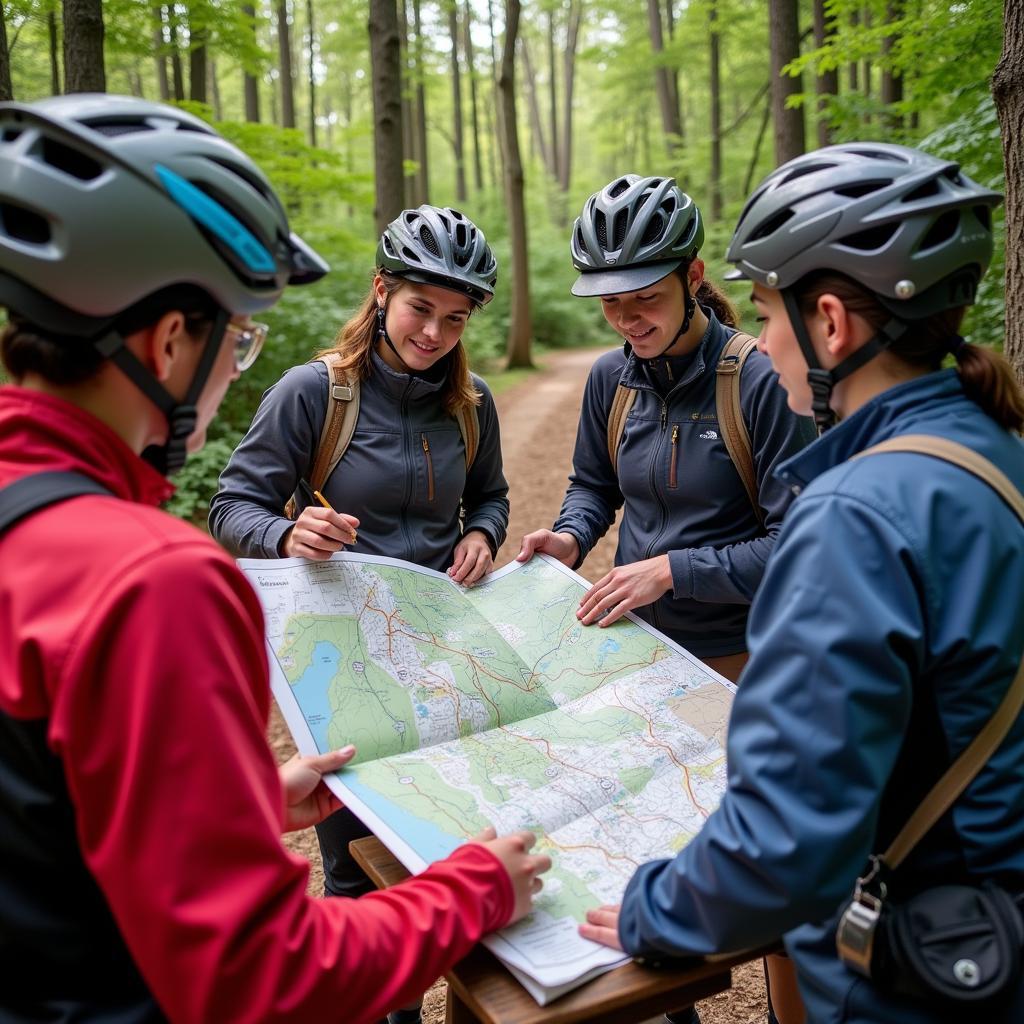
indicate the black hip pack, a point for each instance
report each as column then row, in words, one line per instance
column 955, row 944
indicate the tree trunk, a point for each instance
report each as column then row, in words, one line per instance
column 852, row 76
column 1008, row 91
column 784, row 32
column 6, row 90
column 51, row 26
column 714, row 66
column 312, row 72
column 284, row 55
column 530, row 83
column 519, row 320
column 420, row 135
column 572, row 35
column 458, row 143
column 755, row 155
column 467, row 36
column 556, row 158
column 83, row 46
column 866, row 79
column 409, row 185
column 673, row 72
column 176, row 70
column 497, row 159
column 215, row 97
column 250, row 83
column 669, row 113
column 827, row 83
column 197, row 65
column 386, row 74
column 160, row 53
column 892, row 80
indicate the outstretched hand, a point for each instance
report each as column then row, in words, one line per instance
column 307, row 800
column 562, row 546
column 318, row 533
column 602, row 925
column 472, row 559
column 626, row 587
column 522, row 866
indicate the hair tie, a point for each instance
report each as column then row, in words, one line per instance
column 956, row 346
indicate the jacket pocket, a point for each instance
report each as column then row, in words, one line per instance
column 430, row 467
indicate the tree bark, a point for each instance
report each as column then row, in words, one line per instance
column 458, row 142
column 529, row 81
column 83, row 46
column 197, row 63
column 673, row 72
column 669, row 113
column 250, row 83
column 160, row 53
column 176, row 69
column 420, row 135
column 519, row 320
column 572, row 34
column 6, row 90
column 408, row 143
column 51, row 26
column 892, row 80
column 467, row 30
column 386, row 74
column 784, row 36
column 714, row 66
column 284, row 56
column 556, row 158
column 312, row 72
column 1008, row 92
column 852, row 75
column 827, row 83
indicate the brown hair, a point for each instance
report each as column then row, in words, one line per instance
column 987, row 377
column 709, row 294
column 356, row 339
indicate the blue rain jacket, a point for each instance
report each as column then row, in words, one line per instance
column 682, row 494
column 887, row 629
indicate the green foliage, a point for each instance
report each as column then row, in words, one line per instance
column 196, row 483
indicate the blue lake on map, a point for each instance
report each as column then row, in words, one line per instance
column 311, row 691
column 609, row 646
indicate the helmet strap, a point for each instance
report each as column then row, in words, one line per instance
column 181, row 416
column 382, row 332
column 689, row 308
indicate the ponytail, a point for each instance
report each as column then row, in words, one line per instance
column 710, row 295
column 990, row 381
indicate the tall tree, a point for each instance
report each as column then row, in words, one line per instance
column 420, row 108
column 826, row 82
column 51, row 30
column 160, row 52
column 174, row 27
column 670, row 122
column 519, row 319
column 250, row 83
column 458, row 142
column 572, row 34
column 215, row 97
column 6, row 90
column 714, row 68
column 553, row 95
column 83, row 46
column 198, row 34
column 1008, row 91
column 312, row 72
column 284, row 59
column 533, row 106
column 408, row 142
column 467, row 35
column 386, row 87
column 892, row 79
column 784, row 43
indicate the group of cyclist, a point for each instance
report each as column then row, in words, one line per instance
column 870, row 609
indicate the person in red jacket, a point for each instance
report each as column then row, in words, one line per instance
column 142, row 876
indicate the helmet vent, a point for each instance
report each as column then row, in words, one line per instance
column 619, row 222
column 112, row 128
column 460, row 235
column 770, row 226
column 924, row 191
column 69, row 161
column 24, row 225
column 870, row 240
column 874, row 154
column 941, row 231
column 10, row 134
column 410, row 256
column 482, row 265
column 799, row 172
column 864, row 188
column 984, row 215
column 655, row 229
column 601, row 227
column 429, row 242
column 618, row 188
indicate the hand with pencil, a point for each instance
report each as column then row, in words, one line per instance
column 319, row 532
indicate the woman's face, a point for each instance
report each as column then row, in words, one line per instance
column 650, row 318
column 778, row 342
column 424, row 321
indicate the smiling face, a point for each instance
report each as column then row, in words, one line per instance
column 424, row 321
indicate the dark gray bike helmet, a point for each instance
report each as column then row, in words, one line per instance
column 907, row 226
column 439, row 246
column 632, row 233
column 108, row 200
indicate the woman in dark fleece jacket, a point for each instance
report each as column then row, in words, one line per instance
column 403, row 488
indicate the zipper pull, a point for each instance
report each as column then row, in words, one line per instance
column 675, row 434
column 426, row 443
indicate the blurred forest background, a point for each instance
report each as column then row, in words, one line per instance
column 514, row 111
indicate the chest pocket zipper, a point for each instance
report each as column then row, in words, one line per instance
column 672, row 475
column 430, row 467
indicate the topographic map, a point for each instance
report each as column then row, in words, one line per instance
column 494, row 706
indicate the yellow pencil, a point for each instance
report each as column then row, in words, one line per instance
column 323, row 501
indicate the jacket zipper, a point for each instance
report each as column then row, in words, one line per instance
column 430, row 467
column 672, row 478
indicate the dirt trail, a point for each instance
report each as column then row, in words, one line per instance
column 538, row 430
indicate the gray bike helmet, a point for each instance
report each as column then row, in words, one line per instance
column 108, row 200
column 439, row 246
column 908, row 226
column 632, row 233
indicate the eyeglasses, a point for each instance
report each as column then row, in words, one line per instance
column 249, row 339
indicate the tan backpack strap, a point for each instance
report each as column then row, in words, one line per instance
column 469, row 427
column 730, row 414
column 963, row 770
column 339, row 422
column 622, row 402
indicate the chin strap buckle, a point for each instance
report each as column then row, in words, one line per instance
column 821, row 383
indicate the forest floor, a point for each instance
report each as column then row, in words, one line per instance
column 538, row 429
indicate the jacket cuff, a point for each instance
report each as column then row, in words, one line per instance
column 274, row 536
column 476, row 860
column 682, row 573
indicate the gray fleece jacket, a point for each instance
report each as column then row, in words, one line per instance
column 403, row 475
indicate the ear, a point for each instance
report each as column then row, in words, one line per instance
column 695, row 275
column 379, row 291
column 841, row 333
column 163, row 344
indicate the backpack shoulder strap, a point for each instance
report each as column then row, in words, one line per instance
column 730, row 413
column 339, row 422
column 31, row 493
column 622, row 402
column 469, row 427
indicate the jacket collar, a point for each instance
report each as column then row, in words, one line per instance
column 893, row 412
column 40, row 433
column 409, row 386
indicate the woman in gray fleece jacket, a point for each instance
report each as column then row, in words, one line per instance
column 403, row 488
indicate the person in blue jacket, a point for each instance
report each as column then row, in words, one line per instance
column 890, row 622
column 692, row 547
column 403, row 488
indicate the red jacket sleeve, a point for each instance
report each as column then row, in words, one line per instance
column 159, row 717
